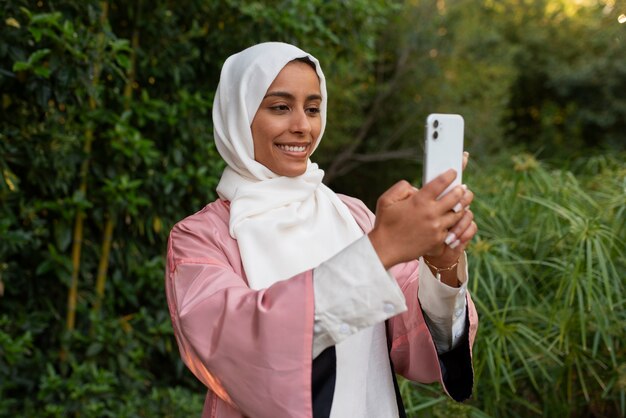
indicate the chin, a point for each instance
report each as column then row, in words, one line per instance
column 292, row 171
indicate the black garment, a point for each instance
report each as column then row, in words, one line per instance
column 323, row 376
column 456, row 370
column 401, row 411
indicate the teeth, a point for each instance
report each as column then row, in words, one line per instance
column 292, row 149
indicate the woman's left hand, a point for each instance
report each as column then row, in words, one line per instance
column 458, row 236
column 457, row 239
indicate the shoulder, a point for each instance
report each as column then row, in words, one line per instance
column 205, row 228
column 363, row 216
column 212, row 218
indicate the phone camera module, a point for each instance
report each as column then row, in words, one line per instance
column 436, row 124
column 435, row 135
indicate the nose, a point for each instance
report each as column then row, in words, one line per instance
column 300, row 123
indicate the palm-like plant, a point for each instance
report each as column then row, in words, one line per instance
column 548, row 275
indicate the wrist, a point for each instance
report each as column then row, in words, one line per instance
column 382, row 250
column 444, row 272
column 441, row 262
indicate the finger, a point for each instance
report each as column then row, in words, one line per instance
column 436, row 186
column 450, row 218
column 399, row 191
column 468, row 197
column 452, row 201
column 468, row 234
column 460, row 243
column 458, row 229
column 465, row 159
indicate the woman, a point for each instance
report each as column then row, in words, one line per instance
column 288, row 300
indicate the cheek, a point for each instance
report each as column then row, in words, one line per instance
column 263, row 130
column 258, row 134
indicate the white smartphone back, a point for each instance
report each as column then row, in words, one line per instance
column 443, row 148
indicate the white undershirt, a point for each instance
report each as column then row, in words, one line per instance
column 354, row 295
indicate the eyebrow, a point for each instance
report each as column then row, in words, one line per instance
column 291, row 96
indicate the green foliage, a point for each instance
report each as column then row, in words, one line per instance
column 548, row 276
column 567, row 93
column 94, row 392
column 546, row 75
column 550, row 268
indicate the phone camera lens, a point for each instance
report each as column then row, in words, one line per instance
column 435, row 135
column 436, row 124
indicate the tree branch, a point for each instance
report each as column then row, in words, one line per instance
column 336, row 168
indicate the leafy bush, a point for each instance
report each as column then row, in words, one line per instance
column 548, row 276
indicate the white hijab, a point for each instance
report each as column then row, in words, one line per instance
column 283, row 225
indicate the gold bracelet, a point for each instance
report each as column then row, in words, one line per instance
column 439, row 270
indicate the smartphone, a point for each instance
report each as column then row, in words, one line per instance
column 443, row 147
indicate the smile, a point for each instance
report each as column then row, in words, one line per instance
column 292, row 148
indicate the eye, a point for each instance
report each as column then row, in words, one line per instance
column 314, row 110
column 280, row 108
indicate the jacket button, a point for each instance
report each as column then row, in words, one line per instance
column 389, row 308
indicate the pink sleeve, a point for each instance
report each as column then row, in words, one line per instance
column 413, row 351
column 251, row 348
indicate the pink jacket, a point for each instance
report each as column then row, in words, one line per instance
column 253, row 349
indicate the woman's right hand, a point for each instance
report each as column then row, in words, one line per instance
column 411, row 222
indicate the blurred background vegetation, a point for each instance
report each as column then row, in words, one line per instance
column 106, row 142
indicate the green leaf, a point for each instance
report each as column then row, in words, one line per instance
column 47, row 19
column 123, row 61
column 26, row 12
column 38, row 55
column 36, row 32
column 94, row 349
column 43, row 72
column 21, row 66
column 33, row 59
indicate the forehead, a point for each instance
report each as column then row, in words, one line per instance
column 297, row 75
